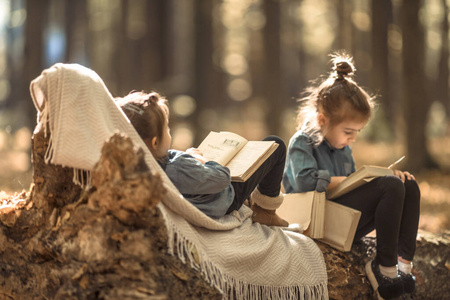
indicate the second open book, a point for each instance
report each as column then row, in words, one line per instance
column 241, row 156
column 321, row 219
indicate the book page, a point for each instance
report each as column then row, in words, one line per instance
column 221, row 146
column 248, row 156
column 297, row 208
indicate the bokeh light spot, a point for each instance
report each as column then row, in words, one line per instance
column 256, row 20
column 182, row 137
column 235, row 64
column 362, row 20
column 183, row 105
column 22, row 139
column 4, row 89
column 239, row 89
column 17, row 18
column 395, row 41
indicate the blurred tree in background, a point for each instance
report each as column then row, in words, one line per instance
column 240, row 65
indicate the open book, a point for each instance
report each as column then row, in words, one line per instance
column 362, row 175
column 327, row 221
column 241, row 156
column 305, row 211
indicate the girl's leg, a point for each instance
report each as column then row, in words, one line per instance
column 410, row 221
column 267, row 178
column 381, row 204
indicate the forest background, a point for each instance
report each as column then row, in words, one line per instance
column 241, row 66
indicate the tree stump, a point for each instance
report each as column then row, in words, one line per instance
column 58, row 241
column 62, row 242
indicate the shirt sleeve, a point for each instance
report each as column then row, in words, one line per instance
column 304, row 173
column 192, row 177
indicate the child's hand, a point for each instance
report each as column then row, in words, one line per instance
column 197, row 154
column 402, row 175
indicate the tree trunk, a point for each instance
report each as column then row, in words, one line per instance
column 209, row 80
column 35, row 24
column 381, row 18
column 344, row 30
column 416, row 101
column 76, row 31
column 274, row 95
column 443, row 73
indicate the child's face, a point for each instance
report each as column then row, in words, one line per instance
column 163, row 146
column 344, row 133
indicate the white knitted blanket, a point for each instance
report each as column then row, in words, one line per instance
column 241, row 259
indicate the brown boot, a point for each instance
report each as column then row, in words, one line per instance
column 264, row 209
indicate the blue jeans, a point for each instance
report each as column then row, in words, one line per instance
column 267, row 178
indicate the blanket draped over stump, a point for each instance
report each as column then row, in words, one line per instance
column 241, row 259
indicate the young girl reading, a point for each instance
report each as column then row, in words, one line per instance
column 206, row 184
column 319, row 157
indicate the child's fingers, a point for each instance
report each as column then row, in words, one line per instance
column 400, row 175
column 194, row 151
column 409, row 176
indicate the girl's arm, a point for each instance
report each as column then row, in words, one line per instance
column 302, row 173
column 190, row 176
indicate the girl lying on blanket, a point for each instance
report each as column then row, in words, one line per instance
column 319, row 157
column 206, row 184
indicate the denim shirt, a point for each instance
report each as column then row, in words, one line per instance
column 207, row 186
column 309, row 167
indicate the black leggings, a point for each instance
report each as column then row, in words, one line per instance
column 267, row 177
column 392, row 208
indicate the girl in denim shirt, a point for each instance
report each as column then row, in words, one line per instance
column 319, row 157
column 206, row 184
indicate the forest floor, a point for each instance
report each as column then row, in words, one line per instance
column 16, row 174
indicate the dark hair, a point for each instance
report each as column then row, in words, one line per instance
column 338, row 97
column 147, row 112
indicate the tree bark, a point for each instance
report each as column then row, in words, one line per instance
column 416, row 101
column 443, row 71
column 274, row 94
column 208, row 88
column 381, row 18
column 35, row 24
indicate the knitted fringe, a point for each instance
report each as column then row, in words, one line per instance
column 82, row 178
column 230, row 287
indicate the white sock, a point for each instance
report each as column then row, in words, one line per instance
column 405, row 267
column 390, row 272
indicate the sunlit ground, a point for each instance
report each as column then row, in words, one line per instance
column 16, row 176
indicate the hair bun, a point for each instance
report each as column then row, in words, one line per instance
column 343, row 66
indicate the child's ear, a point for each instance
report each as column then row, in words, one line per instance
column 154, row 143
column 322, row 120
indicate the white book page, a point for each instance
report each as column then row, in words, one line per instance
column 247, row 157
column 297, row 208
column 221, row 146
